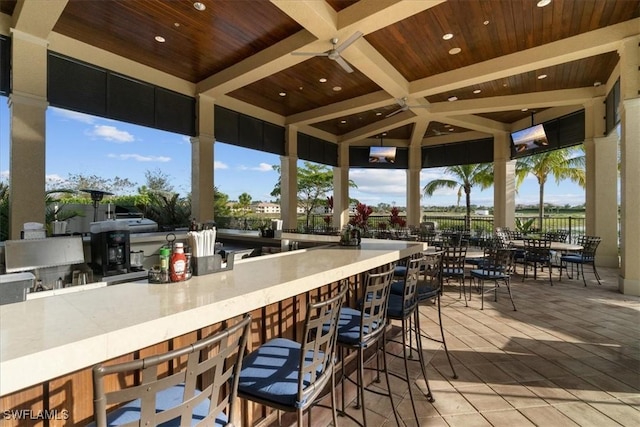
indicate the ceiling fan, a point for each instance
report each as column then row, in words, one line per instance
column 335, row 51
column 402, row 102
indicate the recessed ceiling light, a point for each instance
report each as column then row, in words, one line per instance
column 452, row 98
column 378, row 113
column 337, row 88
column 477, row 91
column 451, row 129
column 283, row 94
column 447, row 125
column 199, row 6
column 160, row 39
column 486, row 22
column 543, row 3
column 322, row 80
column 597, row 83
column 455, row 51
column 343, row 121
column 176, row 24
column 447, row 36
column 524, row 109
column 542, row 76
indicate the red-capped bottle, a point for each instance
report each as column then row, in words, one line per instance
column 178, row 263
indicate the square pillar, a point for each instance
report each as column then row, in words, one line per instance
column 504, row 182
column 202, row 161
column 414, row 210
column 289, row 180
column 341, row 188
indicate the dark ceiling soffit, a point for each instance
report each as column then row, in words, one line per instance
column 148, row 105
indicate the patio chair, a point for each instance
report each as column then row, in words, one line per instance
column 586, row 256
column 497, row 269
column 537, row 252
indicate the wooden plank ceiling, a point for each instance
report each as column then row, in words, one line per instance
column 241, row 50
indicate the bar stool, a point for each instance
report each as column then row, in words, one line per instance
column 430, row 288
column 404, row 308
column 175, row 399
column 361, row 329
column 289, row 376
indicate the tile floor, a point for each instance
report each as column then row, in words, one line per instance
column 569, row 356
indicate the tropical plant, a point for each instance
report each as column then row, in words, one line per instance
column 395, row 220
column 465, row 177
column 169, row 210
column 314, row 183
column 361, row 218
column 4, row 211
column 565, row 163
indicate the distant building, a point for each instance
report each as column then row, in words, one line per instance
column 266, row 208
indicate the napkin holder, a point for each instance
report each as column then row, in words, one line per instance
column 211, row 264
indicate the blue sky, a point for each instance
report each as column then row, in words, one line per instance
column 88, row 145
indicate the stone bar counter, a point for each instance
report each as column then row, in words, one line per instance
column 48, row 345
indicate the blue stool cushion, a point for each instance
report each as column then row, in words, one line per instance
column 397, row 287
column 165, row 399
column 349, row 326
column 394, row 307
column 426, row 292
column 453, row 271
column 400, row 270
column 578, row 259
column 271, row 372
column 488, row 274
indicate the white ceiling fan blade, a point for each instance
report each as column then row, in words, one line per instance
column 393, row 113
column 344, row 64
column 355, row 36
column 310, row 53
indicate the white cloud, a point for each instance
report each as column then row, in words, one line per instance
column 140, row 158
column 263, row 167
column 111, row 133
column 73, row 115
column 220, row 165
column 4, row 175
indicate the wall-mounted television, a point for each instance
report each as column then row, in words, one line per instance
column 379, row 154
column 529, row 139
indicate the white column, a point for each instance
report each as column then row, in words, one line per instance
column 27, row 118
column 414, row 210
column 289, row 180
column 504, row 183
column 341, row 188
column 202, row 161
column 629, row 280
column 601, row 193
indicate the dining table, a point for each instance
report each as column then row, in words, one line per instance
column 555, row 246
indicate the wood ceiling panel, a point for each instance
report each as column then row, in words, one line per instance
column 510, row 116
column 513, row 26
column 203, row 42
column 355, row 121
column 440, row 129
column 402, row 132
column 7, row 7
column 575, row 74
column 303, row 89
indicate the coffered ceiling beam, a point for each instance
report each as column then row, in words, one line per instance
column 372, row 129
column 473, row 122
column 37, row 18
column 369, row 16
column 555, row 98
column 344, row 108
column 571, row 49
column 263, row 64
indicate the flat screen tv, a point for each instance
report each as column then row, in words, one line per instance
column 529, row 139
column 382, row 154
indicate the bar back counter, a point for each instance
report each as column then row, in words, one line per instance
column 49, row 345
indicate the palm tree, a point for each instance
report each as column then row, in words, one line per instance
column 465, row 177
column 565, row 163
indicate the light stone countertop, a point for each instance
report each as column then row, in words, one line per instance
column 45, row 338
